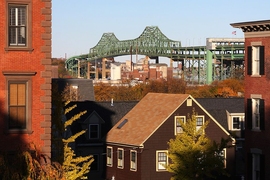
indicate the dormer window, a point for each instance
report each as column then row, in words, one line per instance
column 93, row 131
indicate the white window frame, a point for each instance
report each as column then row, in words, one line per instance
column 177, row 127
column 120, row 160
column 256, row 60
column 109, row 156
column 256, row 113
column 198, row 127
column 133, row 163
column 90, row 131
column 239, row 123
column 161, row 165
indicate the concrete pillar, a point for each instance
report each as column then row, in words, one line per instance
column 209, row 71
column 104, row 68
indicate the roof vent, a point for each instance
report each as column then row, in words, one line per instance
column 122, row 124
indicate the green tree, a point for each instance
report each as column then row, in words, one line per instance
column 193, row 155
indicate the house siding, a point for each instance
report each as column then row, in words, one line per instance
column 36, row 60
column 124, row 173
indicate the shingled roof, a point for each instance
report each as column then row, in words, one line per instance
column 135, row 128
column 110, row 113
column 218, row 107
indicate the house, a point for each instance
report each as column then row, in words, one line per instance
column 257, row 98
column 137, row 144
column 230, row 113
column 25, row 75
column 100, row 117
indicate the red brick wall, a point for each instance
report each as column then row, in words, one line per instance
column 259, row 85
column 38, row 60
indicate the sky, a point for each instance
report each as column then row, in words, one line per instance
column 78, row 25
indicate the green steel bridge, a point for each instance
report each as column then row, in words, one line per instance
column 221, row 58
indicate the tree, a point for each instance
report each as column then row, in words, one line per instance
column 193, row 155
column 73, row 166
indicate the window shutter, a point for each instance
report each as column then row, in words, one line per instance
column 249, row 60
column 249, row 114
column 261, row 60
column 261, row 114
column 262, row 166
column 249, row 165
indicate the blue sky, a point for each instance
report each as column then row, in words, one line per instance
column 78, row 25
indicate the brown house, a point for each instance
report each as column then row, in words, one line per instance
column 137, row 144
column 257, row 98
column 25, row 75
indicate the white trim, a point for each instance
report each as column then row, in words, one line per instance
column 203, row 121
column 120, row 162
column 157, row 163
column 109, row 158
column 133, row 165
column 175, row 124
column 239, row 123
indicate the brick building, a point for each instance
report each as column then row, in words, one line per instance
column 257, row 98
column 25, row 75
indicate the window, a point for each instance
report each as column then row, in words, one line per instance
column 255, row 57
column 120, row 158
column 255, row 113
column 17, row 25
column 133, row 160
column 189, row 102
column 17, row 105
column 256, row 164
column 177, row 119
column 93, row 131
column 161, row 160
column 236, row 123
column 109, row 156
column 199, row 122
column 18, row 88
column 19, row 28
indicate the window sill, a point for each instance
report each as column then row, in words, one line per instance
column 19, row 49
column 255, row 75
column 256, row 130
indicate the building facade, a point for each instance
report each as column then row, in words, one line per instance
column 25, row 75
column 257, row 98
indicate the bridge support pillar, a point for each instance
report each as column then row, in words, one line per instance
column 209, row 71
column 104, row 68
column 171, row 62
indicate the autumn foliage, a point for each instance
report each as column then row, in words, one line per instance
column 126, row 92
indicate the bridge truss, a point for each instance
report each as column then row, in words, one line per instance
column 221, row 58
